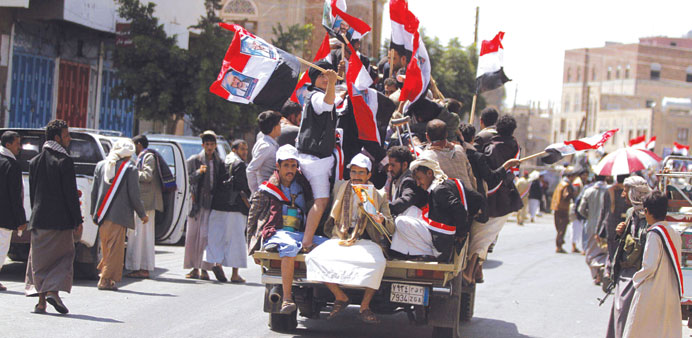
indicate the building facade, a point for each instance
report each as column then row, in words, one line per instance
column 624, row 86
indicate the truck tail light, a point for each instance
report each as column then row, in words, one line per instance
column 425, row 274
column 276, row 264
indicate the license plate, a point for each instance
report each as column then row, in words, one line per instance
column 408, row 294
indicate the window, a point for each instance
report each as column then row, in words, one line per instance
column 577, row 105
column 617, row 72
column 627, row 72
column 682, row 134
column 167, row 153
column 563, row 125
column 649, row 103
column 610, row 71
column 629, row 135
column 243, row 7
column 593, row 74
column 566, row 107
column 655, row 71
column 569, row 74
column 569, row 135
column 554, row 136
column 578, row 74
column 689, row 74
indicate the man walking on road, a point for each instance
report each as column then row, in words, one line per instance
column 141, row 242
column 535, row 197
column 522, row 185
column 263, row 161
column 12, row 216
column 115, row 196
column 56, row 220
column 562, row 196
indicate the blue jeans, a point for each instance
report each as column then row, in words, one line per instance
column 290, row 242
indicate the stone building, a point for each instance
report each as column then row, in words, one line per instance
column 625, row 86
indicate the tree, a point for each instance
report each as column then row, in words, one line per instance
column 152, row 68
column 296, row 40
column 206, row 53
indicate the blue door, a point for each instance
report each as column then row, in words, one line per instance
column 31, row 102
column 116, row 114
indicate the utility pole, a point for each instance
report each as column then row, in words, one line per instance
column 588, row 120
column 375, row 32
column 475, row 32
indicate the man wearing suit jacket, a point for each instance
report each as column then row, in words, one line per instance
column 56, row 219
column 12, row 216
column 405, row 196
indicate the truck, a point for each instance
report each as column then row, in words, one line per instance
column 677, row 185
column 430, row 293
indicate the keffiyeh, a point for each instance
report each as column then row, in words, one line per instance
column 638, row 189
column 121, row 149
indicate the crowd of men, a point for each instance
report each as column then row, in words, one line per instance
column 314, row 187
column 628, row 246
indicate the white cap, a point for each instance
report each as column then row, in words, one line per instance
column 287, row 152
column 362, row 161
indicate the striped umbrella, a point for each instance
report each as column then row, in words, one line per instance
column 626, row 161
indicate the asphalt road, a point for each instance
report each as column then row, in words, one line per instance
column 530, row 291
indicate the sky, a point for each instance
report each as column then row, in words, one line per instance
column 537, row 33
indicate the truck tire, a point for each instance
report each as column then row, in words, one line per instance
column 283, row 323
column 87, row 260
column 468, row 300
column 442, row 332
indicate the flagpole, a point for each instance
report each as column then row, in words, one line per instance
column 436, row 90
column 310, row 64
column 532, row 156
column 473, row 109
column 343, row 50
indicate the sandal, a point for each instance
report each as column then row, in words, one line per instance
column 238, row 280
column 204, row 275
column 39, row 310
column 139, row 274
column 108, row 287
column 3, row 288
column 55, row 301
column 338, row 306
column 369, row 317
column 288, row 307
column 307, row 249
column 194, row 274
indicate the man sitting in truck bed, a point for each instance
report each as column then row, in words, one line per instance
column 447, row 216
column 349, row 258
column 277, row 217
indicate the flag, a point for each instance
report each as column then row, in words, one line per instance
column 680, row 149
column 651, row 144
column 301, row 90
column 253, row 71
column 337, row 21
column 364, row 99
column 558, row 150
column 405, row 35
column 641, row 142
column 490, row 73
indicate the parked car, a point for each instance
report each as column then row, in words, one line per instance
column 88, row 147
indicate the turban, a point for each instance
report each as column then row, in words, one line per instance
column 122, row 148
column 638, row 189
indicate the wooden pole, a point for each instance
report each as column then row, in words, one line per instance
column 532, row 156
column 310, row 64
column 473, row 109
column 343, row 52
column 436, row 90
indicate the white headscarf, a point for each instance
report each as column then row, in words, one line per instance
column 121, row 149
column 638, row 189
column 432, row 165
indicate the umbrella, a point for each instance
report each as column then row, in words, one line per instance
column 626, row 161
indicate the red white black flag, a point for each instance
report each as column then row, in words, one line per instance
column 254, row 71
column 405, row 35
column 364, row 100
column 337, row 21
column 680, row 149
column 557, row 150
column 490, row 73
column 302, row 87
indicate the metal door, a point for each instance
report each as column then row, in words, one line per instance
column 172, row 230
column 31, row 101
column 73, row 93
column 116, row 114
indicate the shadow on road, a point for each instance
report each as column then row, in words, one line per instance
column 10, row 292
column 84, row 317
column 491, row 264
column 146, row 293
column 486, row 327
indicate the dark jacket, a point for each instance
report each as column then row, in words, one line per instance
column 197, row 179
column 408, row 193
column 484, row 175
column 316, row 136
column 505, row 197
column 536, row 190
column 266, row 212
column 482, row 139
column 446, row 207
column 227, row 196
column 12, row 214
column 53, row 192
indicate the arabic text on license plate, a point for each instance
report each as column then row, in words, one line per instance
column 408, row 294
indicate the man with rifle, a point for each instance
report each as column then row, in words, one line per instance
column 628, row 255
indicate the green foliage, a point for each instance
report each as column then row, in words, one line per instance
column 296, row 40
column 206, row 53
column 152, row 69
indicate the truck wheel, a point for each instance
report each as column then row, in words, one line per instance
column 468, row 300
column 87, row 260
column 283, row 323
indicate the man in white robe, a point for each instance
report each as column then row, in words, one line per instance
column 590, row 208
column 655, row 309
